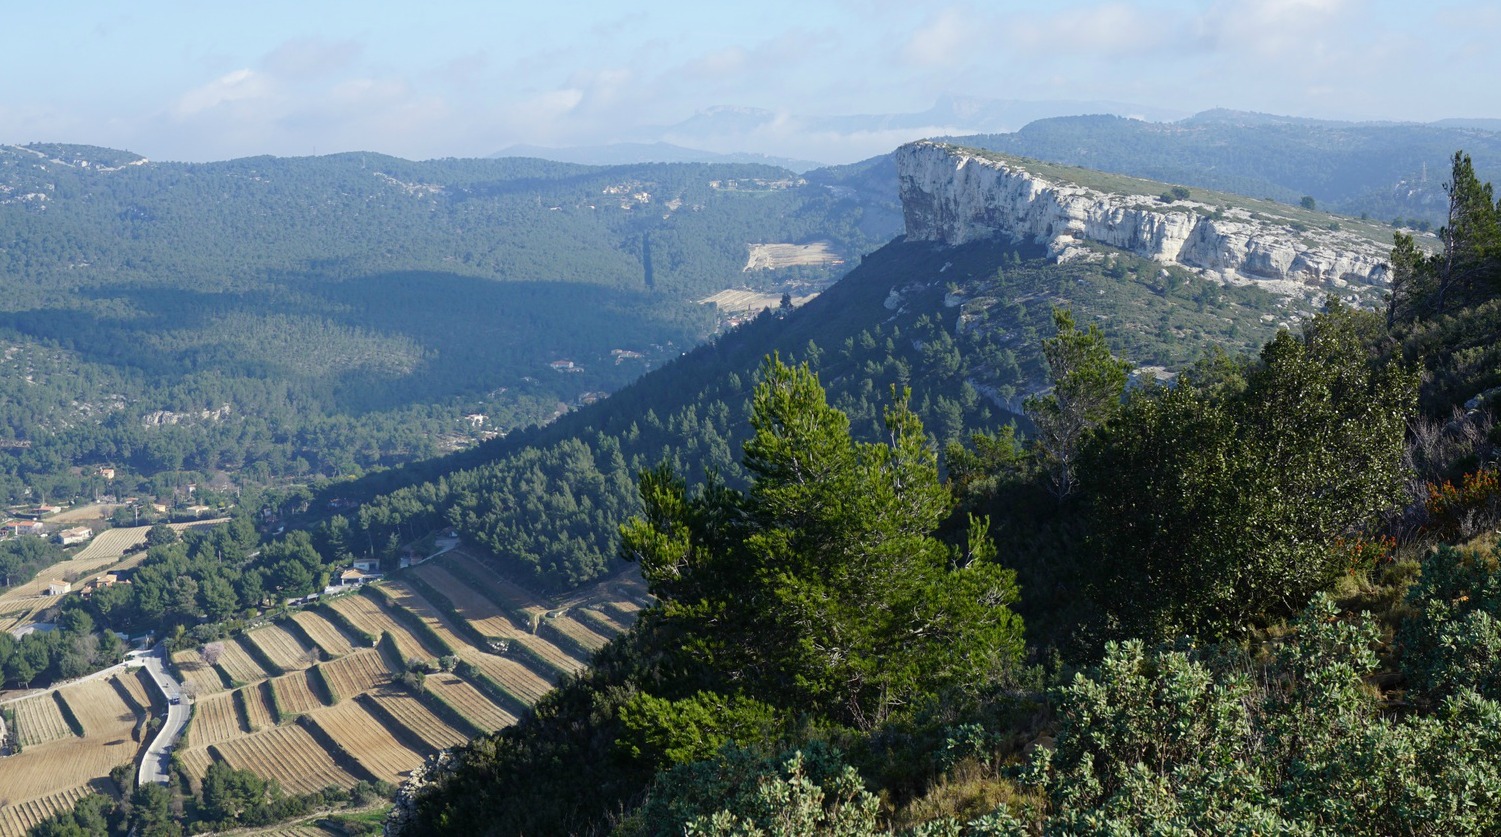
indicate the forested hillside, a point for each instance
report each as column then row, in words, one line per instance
column 1260, row 599
column 960, row 326
column 323, row 316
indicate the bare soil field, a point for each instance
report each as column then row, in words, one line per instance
column 776, row 256
column 99, row 708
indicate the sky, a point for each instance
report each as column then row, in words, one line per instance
column 198, row 80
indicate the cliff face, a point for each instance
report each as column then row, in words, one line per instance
column 953, row 195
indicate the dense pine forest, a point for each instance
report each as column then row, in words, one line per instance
column 285, row 319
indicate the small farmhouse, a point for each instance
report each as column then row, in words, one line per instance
column 76, row 535
column 56, row 587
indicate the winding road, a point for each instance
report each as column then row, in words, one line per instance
column 158, row 757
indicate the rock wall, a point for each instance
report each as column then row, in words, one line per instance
column 953, row 195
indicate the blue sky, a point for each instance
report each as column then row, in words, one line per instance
column 200, row 80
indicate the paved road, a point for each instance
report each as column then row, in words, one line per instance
column 159, row 753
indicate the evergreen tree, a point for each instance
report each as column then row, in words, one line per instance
column 1087, row 385
column 823, row 585
column 1213, row 503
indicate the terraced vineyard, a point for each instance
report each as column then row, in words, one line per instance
column 294, row 695
column 469, row 701
column 215, row 718
column 39, row 719
column 287, row 754
column 282, row 647
column 366, row 615
column 377, row 748
column 22, row 817
column 237, row 663
column 200, row 677
column 338, row 714
column 487, row 617
column 257, row 708
column 410, row 713
column 49, row 774
column 356, row 673
column 330, row 640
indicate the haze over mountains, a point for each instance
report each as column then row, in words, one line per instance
column 1386, row 170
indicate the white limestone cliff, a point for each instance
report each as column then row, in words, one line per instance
column 954, row 195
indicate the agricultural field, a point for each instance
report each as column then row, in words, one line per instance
column 356, row 673
column 601, row 620
column 17, row 819
column 513, row 597
column 484, row 616
column 249, row 715
column 377, row 748
column 38, row 719
column 473, row 607
column 257, row 707
column 367, row 616
column 469, row 702
column 294, row 695
column 200, row 677
column 284, row 648
column 775, row 256
column 238, row 664
column 215, row 719
column 412, row 714
column 97, row 705
column 288, row 754
column 575, row 632
column 48, row 776
column 138, row 690
column 330, row 640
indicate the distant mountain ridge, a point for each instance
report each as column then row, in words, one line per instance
column 630, row 153
column 1386, row 171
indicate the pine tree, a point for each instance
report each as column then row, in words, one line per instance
column 823, row 587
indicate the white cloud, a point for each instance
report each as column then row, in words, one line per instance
column 237, row 86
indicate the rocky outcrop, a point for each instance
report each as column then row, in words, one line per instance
column 955, row 195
